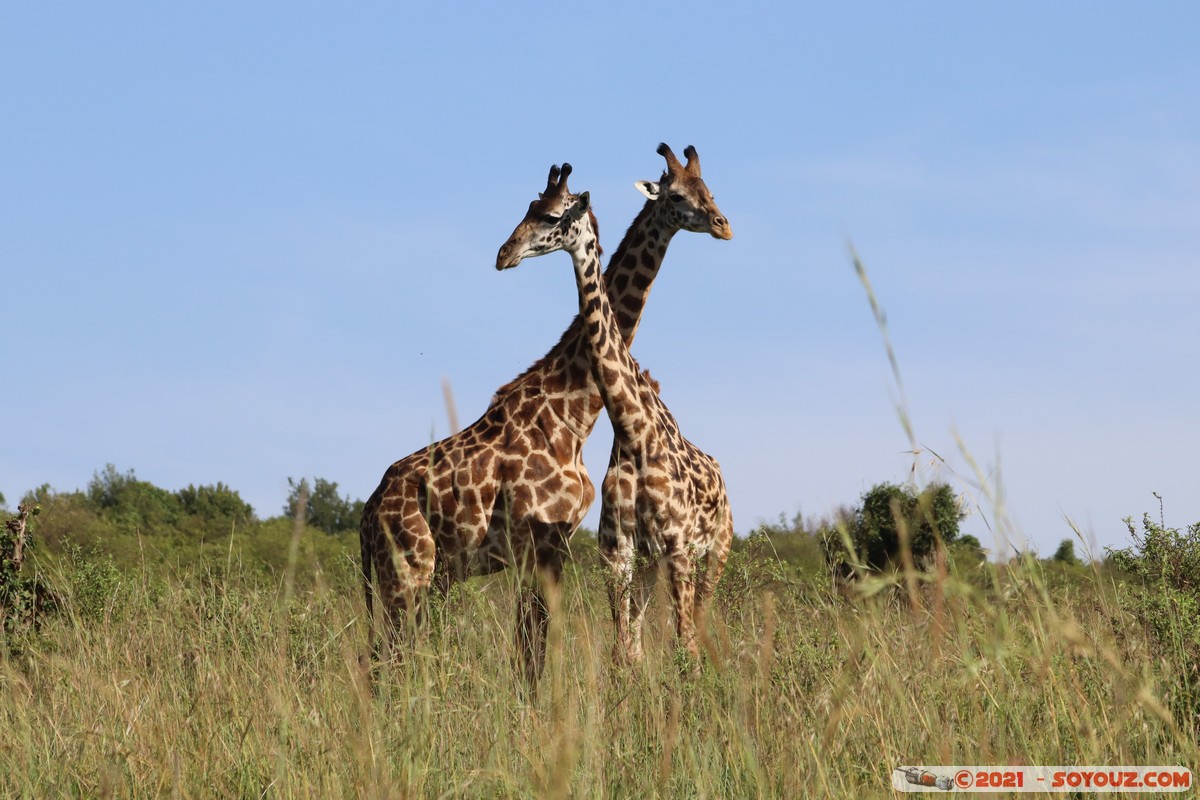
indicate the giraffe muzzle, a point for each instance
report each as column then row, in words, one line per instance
column 508, row 257
column 719, row 226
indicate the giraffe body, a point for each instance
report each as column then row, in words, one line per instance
column 664, row 498
column 511, row 488
column 636, row 535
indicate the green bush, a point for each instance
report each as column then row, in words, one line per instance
column 325, row 509
column 887, row 516
column 131, row 525
column 22, row 597
column 793, row 542
column 97, row 586
column 133, row 505
column 1161, row 589
column 1065, row 553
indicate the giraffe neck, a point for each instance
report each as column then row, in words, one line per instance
column 564, row 373
column 612, row 366
column 634, row 266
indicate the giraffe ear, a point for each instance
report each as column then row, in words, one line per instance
column 579, row 207
column 648, row 188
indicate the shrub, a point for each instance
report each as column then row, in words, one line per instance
column 1162, row 592
column 887, row 515
column 794, row 542
column 215, row 504
column 132, row 504
column 325, row 508
column 97, row 588
column 1065, row 553
column 19, row 593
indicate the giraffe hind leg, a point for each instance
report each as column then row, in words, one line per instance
column 683, row 597
column 712, row 568
column 543, row 571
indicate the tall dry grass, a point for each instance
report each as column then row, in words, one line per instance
column 216, row 686
column 212, row 682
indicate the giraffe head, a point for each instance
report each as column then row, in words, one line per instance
column 684, row 198
column 554, row 221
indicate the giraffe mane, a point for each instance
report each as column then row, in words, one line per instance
column 596, row 230
column 650, row 380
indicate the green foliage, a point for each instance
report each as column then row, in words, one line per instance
column 585, row 549
column 38, row 496
column 20, row 594
column 748, row 570
column 129, row 523
column 1065, row 554
column 136, row 506
column 887, row 516
column 793, row 542
column 333, row 555
column 131, row 504
column 969, row 562
column 326, row 510
column 214, row 502
column 97, row 587
column 968, row 548
column 1162, row 591
column 71, row 517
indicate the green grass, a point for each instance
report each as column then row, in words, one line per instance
column 202, row 685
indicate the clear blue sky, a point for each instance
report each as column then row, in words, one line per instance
column 246, row 241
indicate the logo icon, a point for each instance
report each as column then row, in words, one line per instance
column 923, row 777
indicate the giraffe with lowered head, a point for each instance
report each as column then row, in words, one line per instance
column 511, row 488
column 680, row 505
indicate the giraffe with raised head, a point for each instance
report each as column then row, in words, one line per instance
column 632, row 559
column 680, row 507
column 511, row 487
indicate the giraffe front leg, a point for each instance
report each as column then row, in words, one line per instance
column 683, row 598
column 618, row 526
column 647, row 574
column 619, row 591
column 401, row 605
column 404, row 563
column 617, row 553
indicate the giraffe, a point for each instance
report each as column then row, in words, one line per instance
column 680, row 505
column 622, row 548
column 512, row 487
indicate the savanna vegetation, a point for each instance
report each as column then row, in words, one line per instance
column 163, row 642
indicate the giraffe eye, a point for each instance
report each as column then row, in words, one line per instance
column 676, row 197
column 551, row 218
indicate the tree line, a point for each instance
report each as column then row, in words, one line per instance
column 117, row 509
